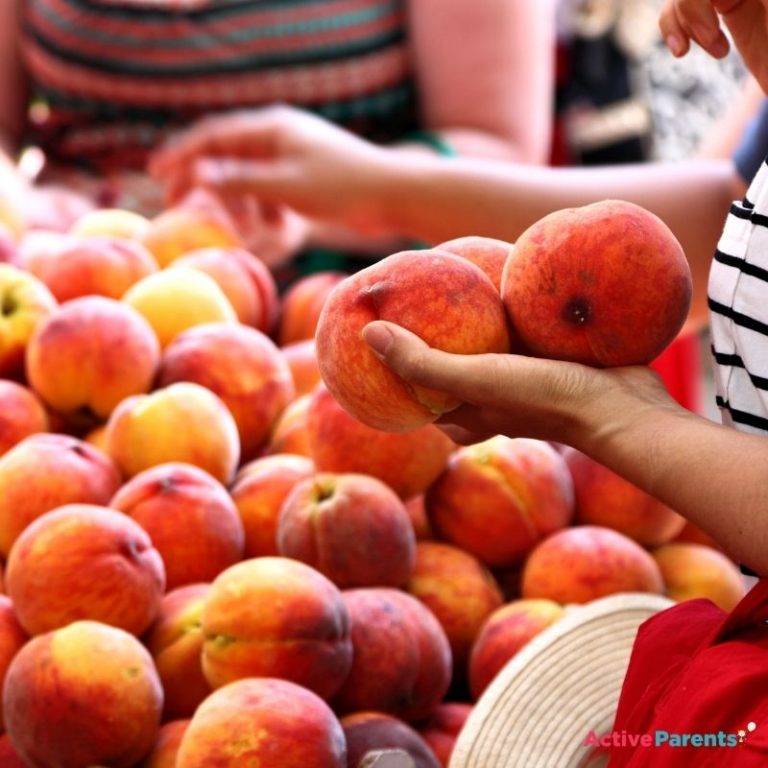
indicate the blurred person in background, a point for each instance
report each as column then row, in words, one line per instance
column 97, row 84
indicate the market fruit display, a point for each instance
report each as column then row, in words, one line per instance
column 230, row 536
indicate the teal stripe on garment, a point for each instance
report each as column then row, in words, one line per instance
column 202, row 41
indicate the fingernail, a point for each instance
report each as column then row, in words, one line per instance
column 675, row 44
column 378, row 337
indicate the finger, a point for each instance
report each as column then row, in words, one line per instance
column 700, row 21
column 229, row 176
column 478, row 379
column 672, row 32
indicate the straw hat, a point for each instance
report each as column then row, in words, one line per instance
column 563, row 684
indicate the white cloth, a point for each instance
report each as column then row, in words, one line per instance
column 738, row 303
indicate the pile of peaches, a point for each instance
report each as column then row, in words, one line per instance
column 214, row 556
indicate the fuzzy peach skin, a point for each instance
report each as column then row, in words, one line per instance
column 245, row 280
column 183, row 422
column 82, row 266
column 175, row 641
column 290, row 433
column 83, row 561
column 446, row 300
column 351, row 527
column 408, row 462
column 606, row 284
column 110, row 222
column 300, row 631
column 21, row 414
column 442, row 729
column 166, row 749
column 9, row 757
column 695, row 570
column 25, row 301
column 371, row 731
column 586, row 562
column 87, row 694
column 45, row 471
column 243, row 367
column 503, row 634
column 302, row 361
column 607, row 499
column 497, row 499
column 402, row 658
column 488, row 253
column 190, row 517
column 174, row 300
column 301, row 305
column 12, row 639
column 259, row 490
column 263, row 722
column 459, row 590
column 418, row 514
column 90, row 354
column 183, row 228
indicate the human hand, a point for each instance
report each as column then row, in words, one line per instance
column 520, row 396
column 281, row 155
column 681, row 21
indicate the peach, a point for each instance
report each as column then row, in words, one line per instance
column 497, row 499
column 351, row 527
column 25, row 302
column 263, row 722
column 173, row 300
column 503, row 634
column 45, row 471
column 419, row 520
column 183, row 423
column 90, row 354
column 302, row 360
column 188, row 226
column 300, row 632
column 301, row 305
column 459, row 591
column 606, row 499
column 166, row 749
column 606, row 284
column 446, row 300
column 21, row 414
column 175, row 641
column 692, row 534
column 371, row 731
column 695, row 570
column 291, row 434
column 442, row 728
column 97, row 438
column 104, row 266
column 111, row 222
column 487, row 253
column 259, row 490
column 82, row 561
column 11, row 215
column 86, row 694
column 245, row 280
column 402, row 659
column 190, row 517
column 243, row 367
column 9, row 248
column 586, row 562
column 12, row 639
column 9, row 757
column 406, row 461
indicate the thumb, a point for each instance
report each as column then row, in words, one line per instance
column 470, row 378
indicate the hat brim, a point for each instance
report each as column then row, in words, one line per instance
column 564, row 683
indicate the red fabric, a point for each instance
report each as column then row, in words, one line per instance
column 696, row 670
column 679, row 366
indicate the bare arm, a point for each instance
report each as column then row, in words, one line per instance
column 485, row 73
column 622, row 417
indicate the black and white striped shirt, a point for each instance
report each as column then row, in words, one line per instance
column 738, row 303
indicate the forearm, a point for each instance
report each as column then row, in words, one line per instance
column 715, row 476
column 436, row 201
